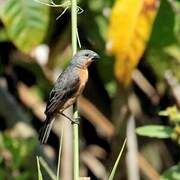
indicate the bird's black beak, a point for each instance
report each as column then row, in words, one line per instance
column 95, row 56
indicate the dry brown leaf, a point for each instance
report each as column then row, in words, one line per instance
column 31, row 100
column 94, row 165
column 147, row 169
column 96, row 151
column 145, row 86
column 89, row 111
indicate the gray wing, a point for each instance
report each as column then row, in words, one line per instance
column 65, row 87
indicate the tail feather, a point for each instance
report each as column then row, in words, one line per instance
column 45, row 130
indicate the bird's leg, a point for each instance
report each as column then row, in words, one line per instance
column 72, row 121
column 76, row 121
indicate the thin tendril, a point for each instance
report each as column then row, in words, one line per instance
column 79, row 10
column 53, row 4
column 78, row 39
column 62, row 13
column 65, row 5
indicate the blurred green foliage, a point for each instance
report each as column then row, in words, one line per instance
column 172, row 132
column 165, row 33
column 27, row 23
column 23, row 18
column 159, row 131
column 172, row 173
column 15, row 154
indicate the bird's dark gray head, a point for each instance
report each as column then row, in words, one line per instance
column 84, row 58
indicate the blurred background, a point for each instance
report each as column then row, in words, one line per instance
column 133, row 90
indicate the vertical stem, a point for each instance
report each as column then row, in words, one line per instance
column 76, row 147
column 75, row 111
column 74, row 25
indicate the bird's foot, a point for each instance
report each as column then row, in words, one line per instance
column 73, row 121
column 76, row 121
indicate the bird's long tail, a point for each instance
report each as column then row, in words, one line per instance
column 46, row 129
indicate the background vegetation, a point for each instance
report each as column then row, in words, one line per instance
column 135, row 84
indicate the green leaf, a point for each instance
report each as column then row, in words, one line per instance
column 157, row 131
column 163, row 35
column 3, row 35
column 173, row 51
column 26, row 22
column 177, row 27
column 111, row 177
column 161, row 62
column 40, row 177
column 177, row 21
column 49, row 171
column 59, row 155
column 172, row 173
column 162, row 32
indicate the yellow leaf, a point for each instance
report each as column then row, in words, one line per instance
column 129, row 30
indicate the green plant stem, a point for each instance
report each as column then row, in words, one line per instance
column 75, row 148
column 74, row 25
column 75, row 111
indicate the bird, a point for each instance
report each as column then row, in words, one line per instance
column 67, row 88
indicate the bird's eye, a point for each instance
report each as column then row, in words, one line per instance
column 86, row 55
